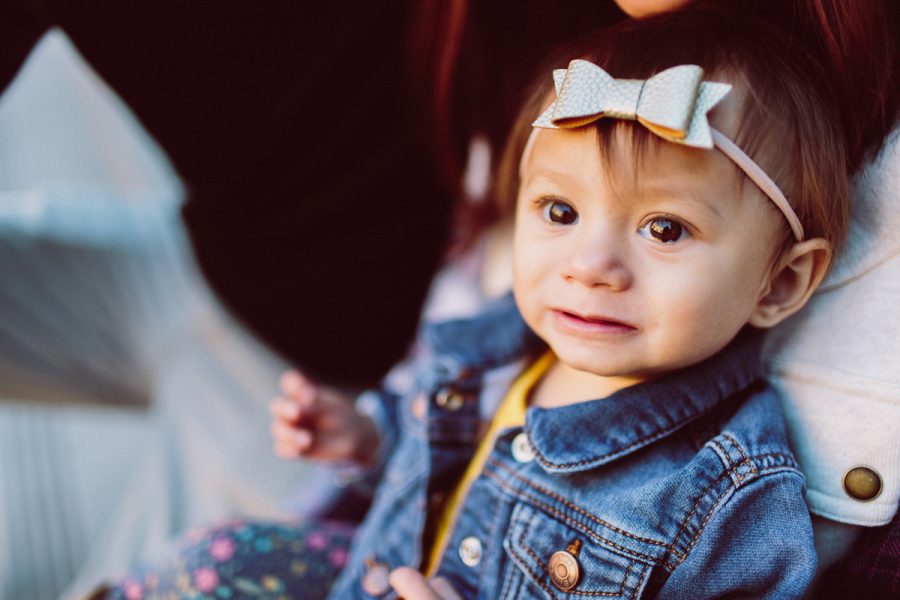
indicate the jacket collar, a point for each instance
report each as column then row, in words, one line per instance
column 586, row 435
column 496, row 336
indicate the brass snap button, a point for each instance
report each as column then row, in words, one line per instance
column 470, row 551
column 862, row 483
column 449, row 399
column 565, row 572
column 376, row 581
column 521, row 448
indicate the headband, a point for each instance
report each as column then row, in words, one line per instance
column 672, row 104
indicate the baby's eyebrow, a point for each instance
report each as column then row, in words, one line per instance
column 689, row 195
column 547, row 175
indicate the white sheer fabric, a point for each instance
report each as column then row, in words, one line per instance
column 131, row 405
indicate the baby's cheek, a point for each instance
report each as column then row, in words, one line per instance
column 532, row 271
column 701, row 317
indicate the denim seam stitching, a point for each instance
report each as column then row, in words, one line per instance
column 790, row 461
column 505, row 589
column 732, row 471
column 578, row 525
column 669, row 564
column 645, row 574
column 718, row 501
column 740, row 449
column 712, row 511
column 731, row 467
column 648, row 438
column 495, row 523
column 539, row 580
column 580, row 511
column 544, row 567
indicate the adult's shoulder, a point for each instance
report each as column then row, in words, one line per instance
column 874, row 218
column 836, row 364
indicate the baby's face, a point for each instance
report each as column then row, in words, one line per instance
column 640, row 268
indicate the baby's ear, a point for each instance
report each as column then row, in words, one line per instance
column 794, row 279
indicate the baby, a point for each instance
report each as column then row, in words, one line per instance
column 682, row 188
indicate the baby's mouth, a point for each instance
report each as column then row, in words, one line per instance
column 598, row 322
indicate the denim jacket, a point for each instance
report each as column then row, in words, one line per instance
column 681, row 487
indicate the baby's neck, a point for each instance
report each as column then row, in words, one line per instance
column 563, row 385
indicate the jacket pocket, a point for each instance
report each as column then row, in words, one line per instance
column 586, row 567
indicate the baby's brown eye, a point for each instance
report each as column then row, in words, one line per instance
column 557, row 211
column 663, row 230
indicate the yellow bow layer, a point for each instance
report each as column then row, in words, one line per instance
column 672, row 104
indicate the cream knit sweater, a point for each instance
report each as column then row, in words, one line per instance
column 836, row 364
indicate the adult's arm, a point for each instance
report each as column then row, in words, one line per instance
column 836, row 365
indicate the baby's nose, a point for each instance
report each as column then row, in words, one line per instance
column 598, row 261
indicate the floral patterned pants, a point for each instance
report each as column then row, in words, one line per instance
column 239, row 560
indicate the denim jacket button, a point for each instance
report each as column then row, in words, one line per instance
column 862, row 483
column 521, row 448
column 564, row 570
column 470, row 551
column 376, row 581
column 449, row 399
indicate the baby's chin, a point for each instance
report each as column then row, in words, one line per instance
column 591, row 362
column 618, row 366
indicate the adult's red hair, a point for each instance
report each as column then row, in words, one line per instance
column 861, row 42
column 473, row 61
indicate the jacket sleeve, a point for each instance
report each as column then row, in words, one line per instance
column 758, row 543
column 382, row 405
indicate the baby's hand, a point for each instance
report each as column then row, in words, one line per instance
column 319, row 423
column 412, row 585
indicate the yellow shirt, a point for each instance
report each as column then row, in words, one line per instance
column 510, row 413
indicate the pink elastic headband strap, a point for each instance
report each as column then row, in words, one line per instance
column 759, row 177
column 741, row 160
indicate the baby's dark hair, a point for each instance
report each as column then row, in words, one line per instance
column 788, row 123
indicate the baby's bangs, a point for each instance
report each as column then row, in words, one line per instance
column 612, row 133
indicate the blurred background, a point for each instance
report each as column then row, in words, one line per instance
column 132, row 406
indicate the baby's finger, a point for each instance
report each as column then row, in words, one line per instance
column 411, row 585
column 291, row 382
column 301, row 390
column 444, row 589
column 286, row 451
column 290, row 436
column 331, row 446
column 285, row 409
